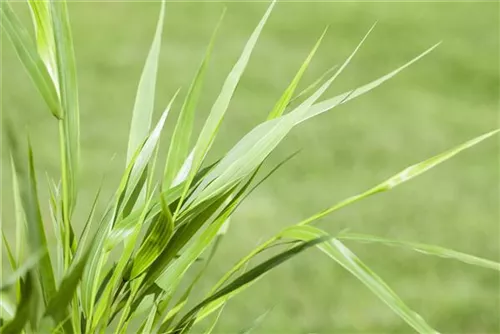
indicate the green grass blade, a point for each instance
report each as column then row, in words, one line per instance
column 249, row 277
column 249, row 152
column 153, row 245
column 82, row 241
column 179, row 145
column 10, row 254
column 144, row 101
column 423, row 248
column 284, row 100
column 184, row 170
column 27, row 53
column 42, row 21
column 403, row 176
column 343, row 256
column 58, row 229
column 136, row 178
column 19, row 216
column 328, row 104
column 253, row 148
column 219, row 108
column 337, row 251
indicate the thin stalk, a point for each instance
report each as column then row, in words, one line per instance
column 65, row 196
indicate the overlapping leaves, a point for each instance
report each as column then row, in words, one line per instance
column 160, row 230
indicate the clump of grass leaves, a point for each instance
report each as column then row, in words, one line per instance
column 184, row 214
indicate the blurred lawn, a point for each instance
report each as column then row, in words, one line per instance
column 445, row 99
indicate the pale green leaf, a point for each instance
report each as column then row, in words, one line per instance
column 221, row 104
column 424, row 248
column 253, row 148
column 27, row 53
column 42, row 21
column 403, row 176
column 179, row 145
column 284, row 100
column 144, row 101
column 136, row 179
column 328, row 104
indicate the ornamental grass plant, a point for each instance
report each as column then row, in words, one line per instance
column 127, row 270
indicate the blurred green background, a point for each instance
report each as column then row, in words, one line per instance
column 445, row 99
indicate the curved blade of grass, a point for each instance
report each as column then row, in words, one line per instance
column 27, row 53
column 179, row 145
column 248, row 278
column 403, row 176
column 343, row 256
column 144, row 101
column 423, row 248
column 328, row 104
column 219, row 108
column 284, row 100
column 253, row 148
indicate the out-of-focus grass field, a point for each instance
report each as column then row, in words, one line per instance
column 446, row 98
